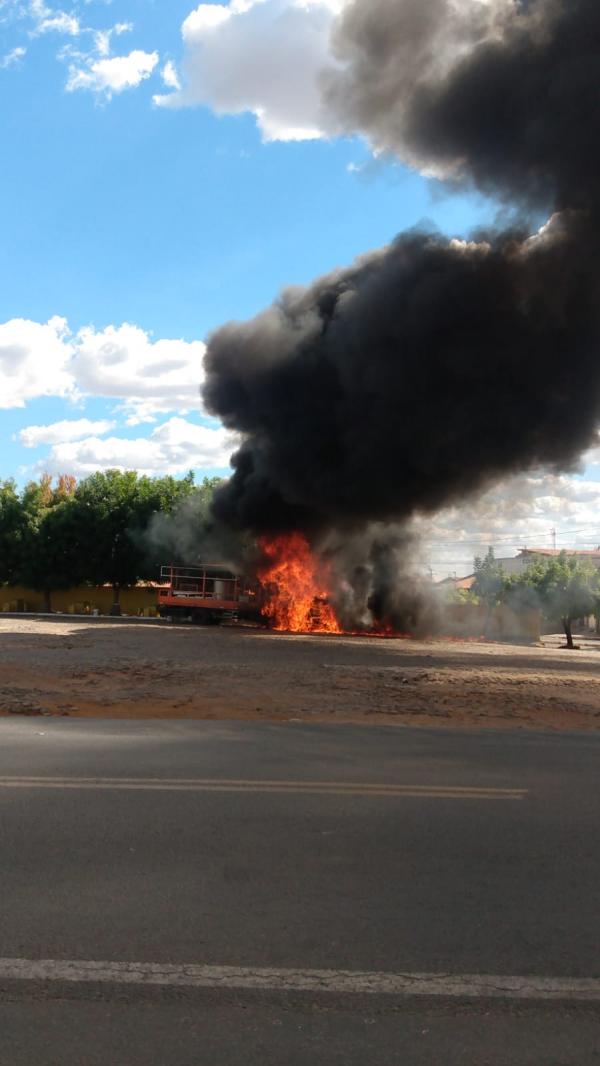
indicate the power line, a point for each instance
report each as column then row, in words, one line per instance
column 511, row 536
column 512, row 539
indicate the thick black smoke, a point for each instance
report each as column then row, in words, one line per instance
column 376, row 579
column 410, row 379
column 432, row 367
column 502, row 93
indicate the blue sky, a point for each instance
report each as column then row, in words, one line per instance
column 154, row 176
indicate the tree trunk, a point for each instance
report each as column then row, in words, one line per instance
column 48, row 601
column 116, row 603
column 567, row 628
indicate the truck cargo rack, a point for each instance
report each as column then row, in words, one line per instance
column 211, row 593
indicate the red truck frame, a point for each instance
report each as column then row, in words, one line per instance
column 207, row 594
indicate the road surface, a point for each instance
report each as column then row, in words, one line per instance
column 242, row 893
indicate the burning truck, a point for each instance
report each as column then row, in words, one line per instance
column 287, row 593
column 293, row 589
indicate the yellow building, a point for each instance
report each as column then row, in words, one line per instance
column 142, row 599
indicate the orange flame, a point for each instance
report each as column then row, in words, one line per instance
column 295, row 584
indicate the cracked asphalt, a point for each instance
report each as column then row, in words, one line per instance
column 257, row 881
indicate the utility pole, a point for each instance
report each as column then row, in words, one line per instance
column 553, row 535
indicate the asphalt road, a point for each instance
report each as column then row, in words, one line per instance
column 230, row 861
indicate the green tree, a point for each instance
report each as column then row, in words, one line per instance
column 490, row 581
column 54, row 554
column 13, row 527
column 54, row 535
column 50, row 555
column 566, row 589
column 596, row 609
column 112, row 510
column 459, row 596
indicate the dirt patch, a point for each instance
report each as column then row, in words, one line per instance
column 131, row 671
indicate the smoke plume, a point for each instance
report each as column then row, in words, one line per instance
column 432, row 367
column 501, row 93
column 377, row 580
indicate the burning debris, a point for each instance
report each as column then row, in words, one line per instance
column 432, row 367
column 296, row 586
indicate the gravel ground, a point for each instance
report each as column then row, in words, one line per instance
column 126, row 670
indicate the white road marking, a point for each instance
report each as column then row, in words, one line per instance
column 480, row 986
column 338, row 788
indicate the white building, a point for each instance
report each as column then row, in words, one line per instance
column 517, row 564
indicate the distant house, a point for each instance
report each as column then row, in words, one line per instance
column 517, row 564
column 511, row 565
column 531, row 555
column 457, row 582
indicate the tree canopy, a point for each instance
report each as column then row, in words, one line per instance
column 13, row 526
column 565, row 587
column 490, row 580
column 53, row 536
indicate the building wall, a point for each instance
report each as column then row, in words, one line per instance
column 532, row 555
column 514, row 564
column 459, row 620
column 142, row 599
column 471, row 620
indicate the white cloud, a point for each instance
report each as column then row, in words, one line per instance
column 172, row 448
column 12, row 58
column 60, row 22
column 124, row 363
column 110, row 76
column 209, row 16
column 34, row 361
column 60, row 432
column 50, row 20
column 259, row 56
column 169, row 75
column 148, row 376
column 518, row 512
column 102, row 38
column 145, row 377
column 88, row 49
